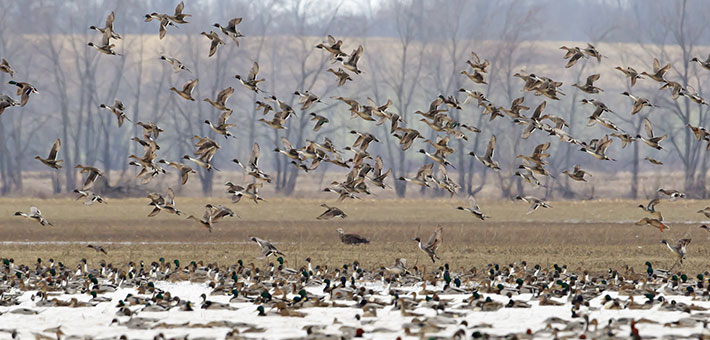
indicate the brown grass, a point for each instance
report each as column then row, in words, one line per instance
column 594, row 235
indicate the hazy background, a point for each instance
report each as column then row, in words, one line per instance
column 413, row 52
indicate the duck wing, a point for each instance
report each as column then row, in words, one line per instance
column 55, row 149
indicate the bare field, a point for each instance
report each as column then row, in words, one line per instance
column 593, row 235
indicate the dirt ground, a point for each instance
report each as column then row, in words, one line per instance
column 593, row 235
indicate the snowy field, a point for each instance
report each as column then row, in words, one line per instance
column 373, row 313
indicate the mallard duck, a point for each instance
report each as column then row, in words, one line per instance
column 658, row 71
column 51, row 160
column 175, row 63
column 351, row 238
column 222, row 126
column 24, row 90
column 231, row 29
column 671, row 193
column 679, row 249
column 90, row 196
column 431, row 245
column 320, row 121
column 5, row 102
column 474, row 209
column 93, row 172
column 186, row 91
column 215, row 41
column 651, row 140
column 252, row 83
column 351, row 63
column 630, row 73
column 118, row 110
column 5, row 67
column 639, row 102
column 705, row 212
column 183, row 169
column 651, row 208
column 535, row 203
column 98, row 249
column 577, row 174
column 35, row 215
column 331, row 212
column 653, row 222
column 221, row 101
column 653, row 161
column 588, row 86
column 164, row 21
column 573, row 54
column 343, row 76
column 179, row 17
column 107, row 27
column 487, row 158
column 704, row 63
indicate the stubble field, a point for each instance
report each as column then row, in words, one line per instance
column 592, row 235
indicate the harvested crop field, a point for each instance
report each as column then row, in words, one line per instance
column 593, row 235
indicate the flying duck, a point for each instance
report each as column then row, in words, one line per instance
column 231, row 29
column 267, row 249
column 186, row 91
column 215, row 41
column 118, row 110
column 431, row 245
column 24, row 90
column 175, row 63
column 51, row 160
column 5, row 67
column 474, row 209
column 330, row 213
column 35, row 215
column 251, row 82
column 487, row 159
column 679, row 249
column 93, row 172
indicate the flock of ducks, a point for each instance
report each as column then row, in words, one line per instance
column 432, row 303
column 367, row 170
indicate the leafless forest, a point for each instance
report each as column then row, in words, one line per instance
column 414, row 51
